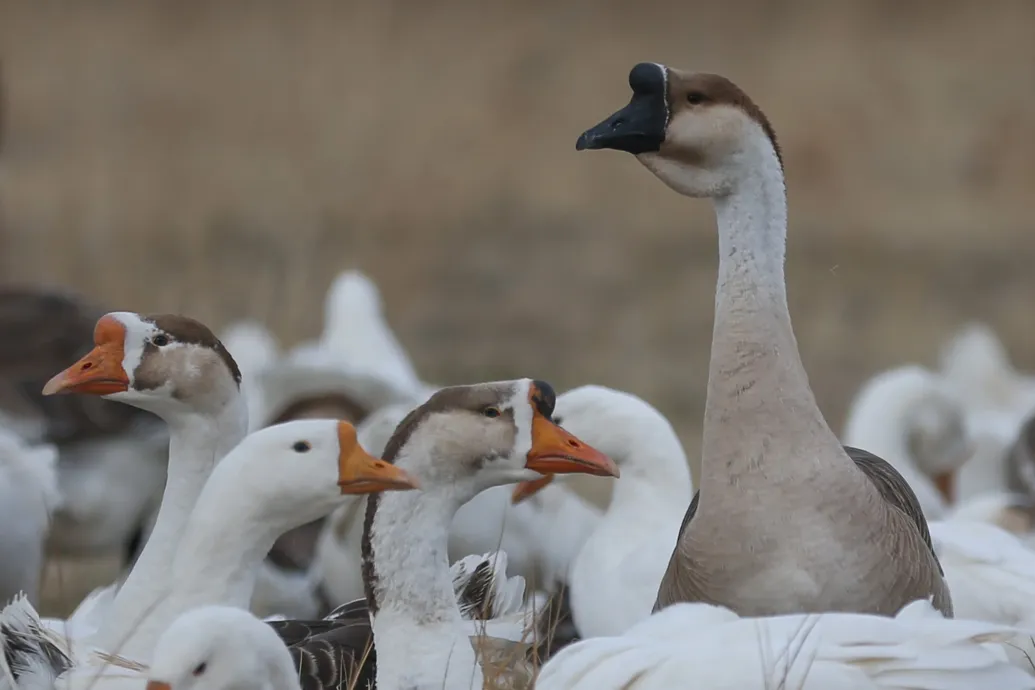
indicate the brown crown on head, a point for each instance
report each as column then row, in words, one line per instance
column 688, row 90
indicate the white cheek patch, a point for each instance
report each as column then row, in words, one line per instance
column 522, row 407
column 138, row 332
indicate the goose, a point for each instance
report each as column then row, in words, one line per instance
column 354, row 367
column 711, row 648
column 28, row 497
column 913, row 419
column 998, row 399
column 174, row 367
column 539, row 536
column 634, row 539
column 274, row 479
column 111, row 458
column 463, row 440
column 786, row 519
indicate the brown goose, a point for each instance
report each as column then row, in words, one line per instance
column 786, row 519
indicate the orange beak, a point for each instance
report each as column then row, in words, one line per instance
column 157, row 685
column 555, row 451
column 100, row 372
column 526, row 489
column 946, row 484
column 359, row 472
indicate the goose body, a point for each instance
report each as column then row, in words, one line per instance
column 711, row 648
column 787, row 521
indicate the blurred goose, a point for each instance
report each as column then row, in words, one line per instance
column 710, row 648
column 273, row 480
column 851, row 535
column 463, row 440
column 615, row 576
column 356, row 366
column 998, row 399
column 111, row 457
column 176, row 368
column 913, row 419
column 28, row 497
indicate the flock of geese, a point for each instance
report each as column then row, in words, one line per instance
column 324, row 518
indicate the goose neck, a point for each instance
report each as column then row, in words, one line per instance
column 759, row 403
column 196, row 443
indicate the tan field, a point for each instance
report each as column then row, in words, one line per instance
column 225, row 160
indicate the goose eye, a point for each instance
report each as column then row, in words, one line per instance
column 491, row 412
column 301, row 447
column 160, row 340
column 695, row 98
column 199, row 669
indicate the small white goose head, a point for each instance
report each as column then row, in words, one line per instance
column 166, row 364
column 699, row 133
column 312, row 462
column 220, row 648
column 465, row 439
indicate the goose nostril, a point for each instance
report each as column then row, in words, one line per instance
column 617, row 123
column 87, row 365
column 574, row 444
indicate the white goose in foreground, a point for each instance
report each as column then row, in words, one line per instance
column 28, row 496
column 615, row 576
column 785, row 520
column 176, row 368
column 710, row 648
column 913, row 419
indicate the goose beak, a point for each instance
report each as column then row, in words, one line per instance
column 157, row 685
column 555, row 451
column 946, row 485
column 527, row 489
column 359, row 472
column 640, row 126
column 100, row 372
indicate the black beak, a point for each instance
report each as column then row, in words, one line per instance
column 638, row 127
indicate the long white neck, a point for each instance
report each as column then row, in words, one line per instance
column 759, row 401
column 419, row 631
column 196, row 443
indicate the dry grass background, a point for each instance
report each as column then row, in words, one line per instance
column 227, row 159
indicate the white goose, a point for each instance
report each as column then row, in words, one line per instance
column 275, row 479
column 176, row 368
column 998, row 399
column 711, row 648
column 913, row 419
column 615, row 576
column 28, row 497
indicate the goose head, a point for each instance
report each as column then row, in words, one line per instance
column 466, row 439
column 220, row 648
column 165, row 364
column 625, row 427
column 698, row 132
column 312, row 463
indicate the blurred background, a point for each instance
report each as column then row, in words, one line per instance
column 226, row 160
